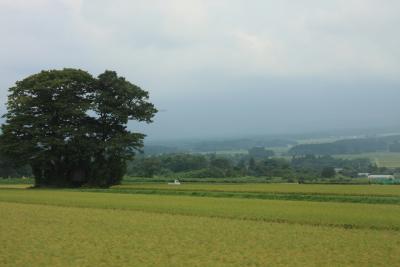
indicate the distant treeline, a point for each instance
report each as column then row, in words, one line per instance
column 258, row 163
column 241, row 144
column 346, row 146
column 349, row 146
column 215, row 145
column 213, row 166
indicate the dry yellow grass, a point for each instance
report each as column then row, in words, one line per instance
column 37, row 235
column 298, row 212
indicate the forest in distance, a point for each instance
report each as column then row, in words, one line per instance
column 281, row 160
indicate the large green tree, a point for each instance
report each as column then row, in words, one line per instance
column 71, row 128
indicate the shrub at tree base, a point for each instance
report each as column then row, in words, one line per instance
column 71, row 127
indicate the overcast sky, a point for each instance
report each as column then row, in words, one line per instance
column 222, row 67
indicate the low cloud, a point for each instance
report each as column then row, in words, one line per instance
column 190, row 47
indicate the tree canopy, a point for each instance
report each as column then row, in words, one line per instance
column 71, row 127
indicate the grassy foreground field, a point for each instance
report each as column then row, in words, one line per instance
column 71, row 228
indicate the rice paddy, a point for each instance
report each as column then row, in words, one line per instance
column 74, row 228
column 376, row 190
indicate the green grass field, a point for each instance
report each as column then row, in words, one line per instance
column 74, row 228
column 317, row 189
column 382, row 159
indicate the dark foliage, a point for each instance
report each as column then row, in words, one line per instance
column 260, row 152
column 328, row 172
column 8, row 169
column 212, row 166
column 71, row 127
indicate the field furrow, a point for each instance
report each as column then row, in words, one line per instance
column 349, row 215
